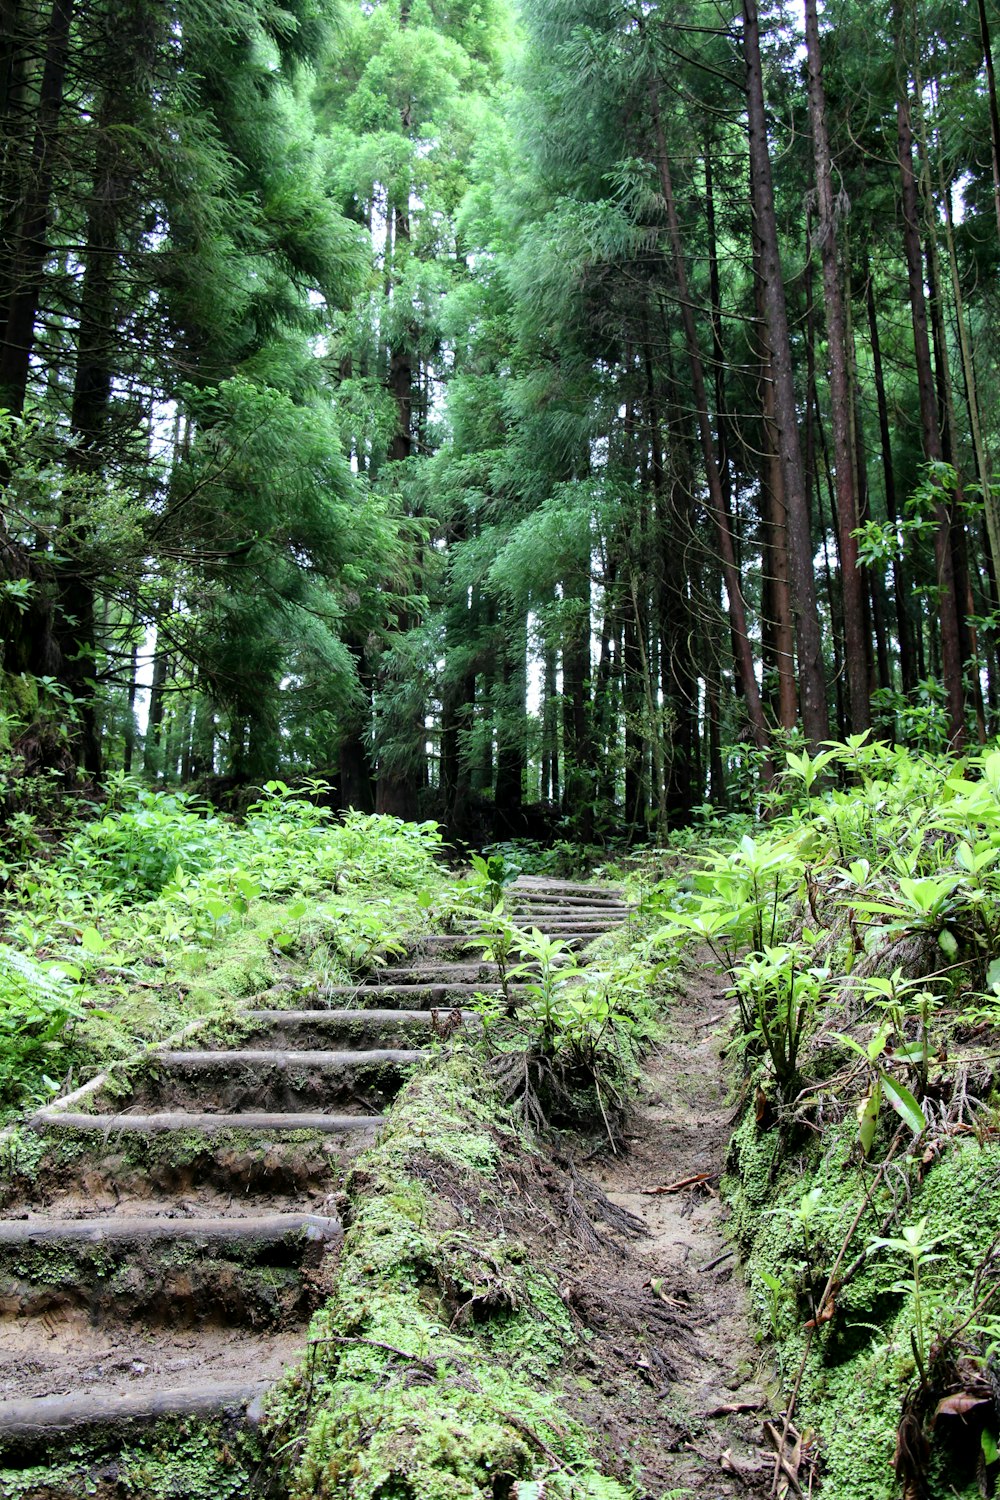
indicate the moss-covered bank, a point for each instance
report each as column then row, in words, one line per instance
column 794, row 1201
column 433, row 1373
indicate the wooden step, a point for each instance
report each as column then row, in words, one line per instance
column 426, row 996
column 309, row 1027
column 113, row 1230
column 205, row 1123
column 32, row 1423
column 156, row 1271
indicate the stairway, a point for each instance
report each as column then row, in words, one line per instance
column 162, row 1250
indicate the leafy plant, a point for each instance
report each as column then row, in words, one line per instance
column 38, row 1004
column 778, row 997
column 915, row 1245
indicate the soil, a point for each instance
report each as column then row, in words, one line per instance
column 677, row 1416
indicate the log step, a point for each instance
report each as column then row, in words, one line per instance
column 309, row 1027
column 205, row 1123
column 262, row 1229
column 26, row 1425
column 288, row 1058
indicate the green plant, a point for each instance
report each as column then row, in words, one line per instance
column 38, row 1005
column 779, row 996
column 920, row 1249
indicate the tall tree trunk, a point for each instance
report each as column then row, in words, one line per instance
column 991, row 509
column 951, row 651
column 731, row 576
column 775, row 518
column 900, row 580
column 578, row 790
column 96, row 340
column 32, row 238
column 152, row 760
column 508, row 794
column 991, row 90
column 856, row 644
column 636, row 794
column 812, row 683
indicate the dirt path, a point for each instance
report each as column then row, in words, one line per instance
column 681, row 1131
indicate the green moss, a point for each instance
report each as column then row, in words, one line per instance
column 432, row 1371
column 861, row 1364
column 171, row 1461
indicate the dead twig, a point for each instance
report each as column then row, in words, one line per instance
column 684, row 1182
column 726, row 1255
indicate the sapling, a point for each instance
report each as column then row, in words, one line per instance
column 913, row 1243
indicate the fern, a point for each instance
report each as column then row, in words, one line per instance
column 37, row 1005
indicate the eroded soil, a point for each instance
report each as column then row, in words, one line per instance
column 690, row 1410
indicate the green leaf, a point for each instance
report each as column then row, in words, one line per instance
column 947, row 943
column 903, row 1103
column 988, row 1443
column 91, row 939
column 868, row 1118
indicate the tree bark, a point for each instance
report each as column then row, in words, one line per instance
column 730, row 571
column 28, row 261
column 856, row 644
column 900, row 579
column 951, row 653
column 991, row 90
column 812, row 683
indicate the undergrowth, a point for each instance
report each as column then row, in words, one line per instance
column 859, row 927
column 160, row 911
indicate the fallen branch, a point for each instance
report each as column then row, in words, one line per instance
column 716, row 1262
column 685, row 1182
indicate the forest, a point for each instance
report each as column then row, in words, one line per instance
column 499, row 786
column 538, row 421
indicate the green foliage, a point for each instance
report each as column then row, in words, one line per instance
column 160, row 910
column 856, row 1044
column 39, row 1002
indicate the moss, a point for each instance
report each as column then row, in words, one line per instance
column 432, row 1372
column 183, row 1460
column 861, row 1364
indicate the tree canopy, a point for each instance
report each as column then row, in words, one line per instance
column 537, row 418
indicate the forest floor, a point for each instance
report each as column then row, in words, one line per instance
column 713, row 1410
column 667, row 1375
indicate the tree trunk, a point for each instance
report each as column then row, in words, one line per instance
column 812, row 684
column 32, row 237
column 734, row 590
column 951, row 652
column 900, row 580
column 991, row 90
column 856, row 644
